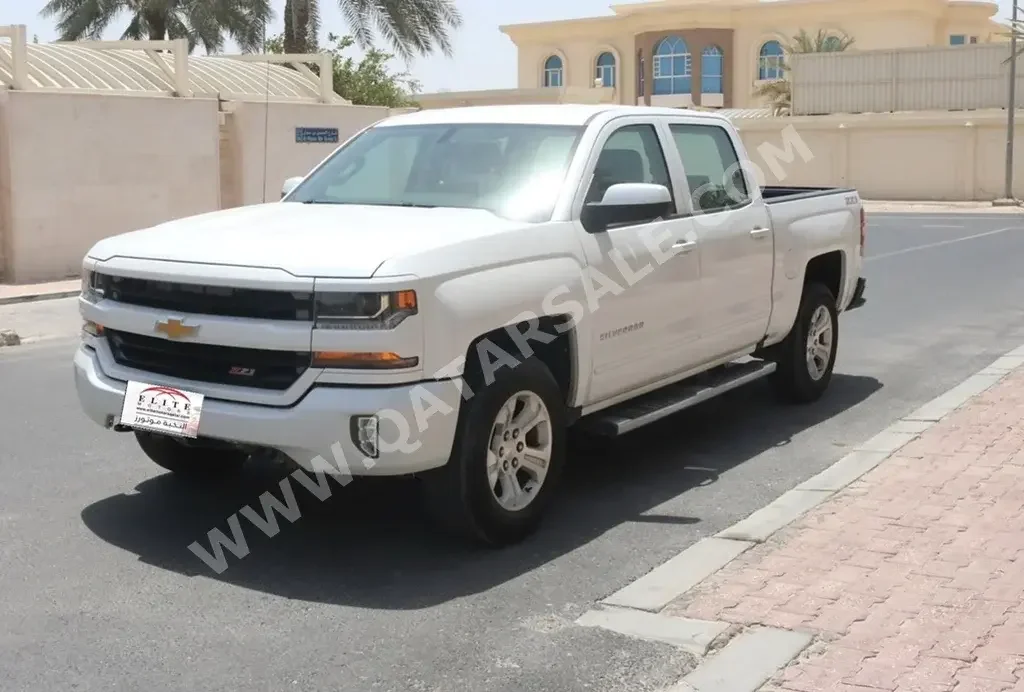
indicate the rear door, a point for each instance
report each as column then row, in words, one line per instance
column 734, row 235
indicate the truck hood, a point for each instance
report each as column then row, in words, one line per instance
column 318, row 240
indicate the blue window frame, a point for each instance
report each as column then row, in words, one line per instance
column 712, row 66
column 770, row 61
column 957, row 40
column 605, row 69
column 553, row 72
column 672, row 67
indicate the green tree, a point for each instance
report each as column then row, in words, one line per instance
column 202, row 22
column 368, row 82
column 777, row 92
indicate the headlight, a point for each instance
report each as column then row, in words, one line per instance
column 363, row 310
column 91, row 290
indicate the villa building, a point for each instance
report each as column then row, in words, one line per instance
column 714, row 53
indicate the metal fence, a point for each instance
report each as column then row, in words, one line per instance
column 906, row 79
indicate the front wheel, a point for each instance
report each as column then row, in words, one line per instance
column 806, row 357
column 189, row 459
column 508, row 454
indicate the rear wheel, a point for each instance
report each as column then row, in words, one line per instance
column 508, row 454
column 806, row 357
column 189, row 458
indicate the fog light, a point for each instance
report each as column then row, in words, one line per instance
column 365, row 435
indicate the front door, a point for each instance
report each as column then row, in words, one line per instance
column 641, row 286
column 735, row 237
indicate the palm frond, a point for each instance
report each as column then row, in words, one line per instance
column 202, row 22
column 778, row 95
column 1016, row 31
column 81, row 19
column 409, row 26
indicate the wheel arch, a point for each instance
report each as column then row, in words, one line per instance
column 557, row 350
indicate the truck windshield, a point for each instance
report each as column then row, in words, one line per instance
column 514, row 171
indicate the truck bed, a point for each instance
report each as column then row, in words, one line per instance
column 774, row 194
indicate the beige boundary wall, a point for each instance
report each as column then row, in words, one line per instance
column 75, row 168
column 82, row 167
column 903, row 156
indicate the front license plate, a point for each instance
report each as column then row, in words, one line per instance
column 160, row 409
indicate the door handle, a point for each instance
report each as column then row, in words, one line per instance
column 683, row 246
column 759, row 233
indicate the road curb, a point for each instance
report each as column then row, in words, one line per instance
column 662, row 585
column 37, row 297
column 746, row 662
column 762, row 650
column 695, row 636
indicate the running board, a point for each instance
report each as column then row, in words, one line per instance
column 651, row 407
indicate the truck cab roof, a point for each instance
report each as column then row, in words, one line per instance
column 536, row 114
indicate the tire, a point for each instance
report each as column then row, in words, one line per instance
column 798, row 379
column 466, row 496
column 189, row 459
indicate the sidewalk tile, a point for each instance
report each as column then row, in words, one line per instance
column 912, row 577
column 13, row 293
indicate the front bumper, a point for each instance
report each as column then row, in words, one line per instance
column 417, row 428
column 858, row 295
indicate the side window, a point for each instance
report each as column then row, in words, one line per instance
column 631, row 155
column 712, row 167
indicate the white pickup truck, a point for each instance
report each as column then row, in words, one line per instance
column 451, row 290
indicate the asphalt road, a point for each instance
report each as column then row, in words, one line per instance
column 98, row 590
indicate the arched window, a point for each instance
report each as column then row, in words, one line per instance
column 712, row 70
column 553, row 72
column 770, row 60
column 605, row 69
column 672, row 67
column 831, row 44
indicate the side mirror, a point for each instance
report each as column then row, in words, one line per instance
column 290, row 185
column 626, row 203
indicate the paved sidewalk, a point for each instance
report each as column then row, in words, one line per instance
column 23, row 293
column 912, row 578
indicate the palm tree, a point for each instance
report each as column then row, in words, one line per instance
column 202, row 22
column 777, row 92
column 409, row 26
column 301, row 26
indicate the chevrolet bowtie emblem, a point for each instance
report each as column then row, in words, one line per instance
column 175, row 329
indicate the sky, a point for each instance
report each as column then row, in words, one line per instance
column 484, row 58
